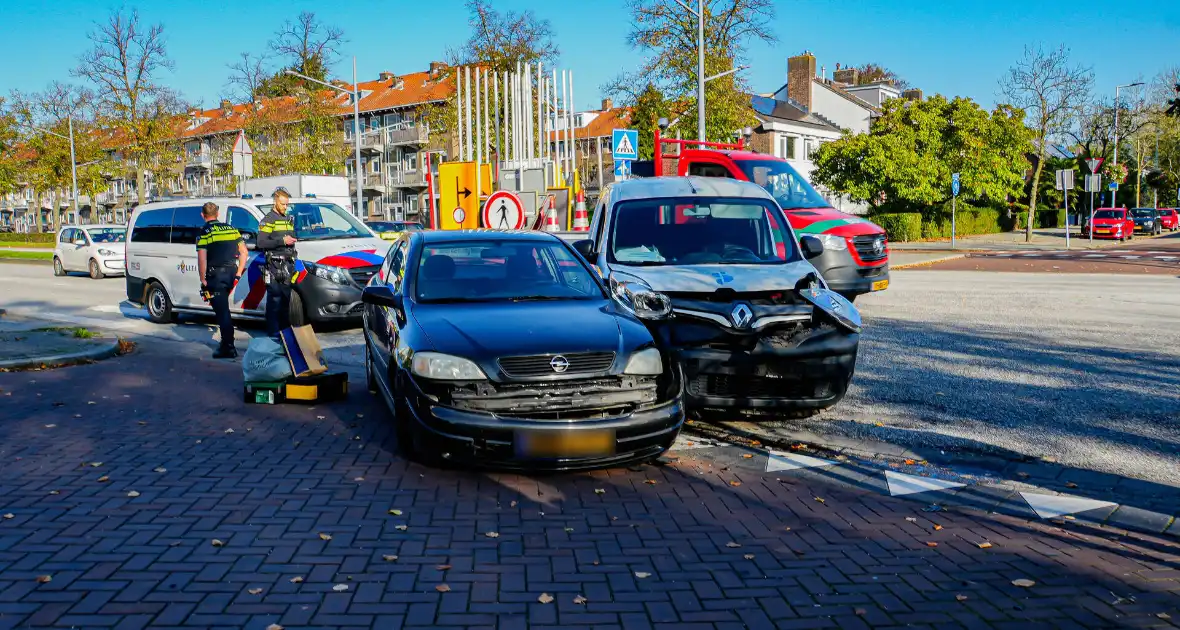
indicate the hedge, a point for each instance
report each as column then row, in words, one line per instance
column 900, row 226
column 27, row 237
column 935, row 223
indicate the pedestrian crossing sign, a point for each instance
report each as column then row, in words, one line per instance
column 624, row 144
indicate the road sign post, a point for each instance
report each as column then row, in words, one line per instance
column 1065, row 184
column 954, row 202
column 243, row 159
column 1093, row 184
column 622, row 169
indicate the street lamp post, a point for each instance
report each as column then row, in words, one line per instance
column 356, row 126
column 73, row 161
column 701, row 78
column 1115, row 193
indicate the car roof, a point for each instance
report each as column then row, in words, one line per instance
column 711, row 187
column 454, row 236
column 96, row 226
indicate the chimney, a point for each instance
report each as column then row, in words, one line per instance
column 436, row 68
column 227, row 107
column 912, row 95
column 800, row 74
column 386, row 76
column 847, row 76
column 607, row 105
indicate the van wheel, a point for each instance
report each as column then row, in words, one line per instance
column 95, row 270
column 295, row 313
column 159, row 305
column 58, row 269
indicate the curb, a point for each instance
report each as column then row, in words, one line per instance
column 26, row 261
column 98, row 353
column 925, row 263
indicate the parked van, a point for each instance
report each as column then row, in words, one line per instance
column 340, row 253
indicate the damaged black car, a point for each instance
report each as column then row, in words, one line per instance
column 715, row 272
column 506, row 349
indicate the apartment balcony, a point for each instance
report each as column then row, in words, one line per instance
column 409, row 136
column 374, row 185
column 201, row 159
column 109, row 197
column 372, row 143
column 407, row 179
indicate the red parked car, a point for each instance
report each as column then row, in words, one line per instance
column 1169, row 219
column 1111, row 223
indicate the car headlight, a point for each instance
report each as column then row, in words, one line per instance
column 647, row 362
column 107, row 252
column 444, row 367
column 332, row 274
column 832, row 242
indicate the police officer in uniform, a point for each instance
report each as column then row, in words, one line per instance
column 221, row 259
column 276, row 239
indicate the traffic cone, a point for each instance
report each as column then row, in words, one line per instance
column 581, row 221
column 551, row 216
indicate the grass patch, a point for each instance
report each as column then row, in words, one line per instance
column 26, row 255
column 82, row 333
column 27, row 245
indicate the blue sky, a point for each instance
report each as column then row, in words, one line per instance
column 950, row 47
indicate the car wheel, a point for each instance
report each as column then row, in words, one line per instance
column 58, row 269
column 159, row 305
column 407, row 432
column 95, row 270
column 296, row 313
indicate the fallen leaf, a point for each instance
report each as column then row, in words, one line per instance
column 77, row 415
column 319, row 417
column 909, row 462
column 492, row 534
column 569, row 530
column 358, row 479
column 443, row 567
column 599, row 491
column 545, row 598
column 325, row 536
column 513, row 504
column 961, row 598
column 396, row 512
column 579, row 600
column 931, row 544
column 44, row 579
column 985, row 545
column 9, row 516
column 275, row 626
column 298, row 579
column 443, row 588
column 54, row 492
column 749, row 556
column 340, row 588
column 160, row 470
column 747, row 456
column 142, row 423
column 650, row 482
column 90, row 402
column 860, row 612
column 911, row 519
column 133, row 494
column 217, row 543
column 95, row 464
column 735, row 483
column 786, row 529
column 879, row 424
column 1023, row 583
column 103, row 479
column 1070, row 484
column 642, row 574
column 1164, row 616
column 389, row 558
column 732, row 545
column 1069, row 518
column 1022, row 475
column 254, row 591
column 937, row 527
column 50, row 426
column 820, row 500
column 229, row 430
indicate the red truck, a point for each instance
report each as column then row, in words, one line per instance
column 856, row 252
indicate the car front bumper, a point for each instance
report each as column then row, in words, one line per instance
column 112, row 266
column 494, row 440
column 326, row 301
column 847, row 276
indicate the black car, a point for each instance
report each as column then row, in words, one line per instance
column 1147, row 220
column 505, row 348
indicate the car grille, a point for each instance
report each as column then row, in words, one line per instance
column 727, row 386
column 558, row 400
column 540, row 364
column 866, row 248
column 361, row 275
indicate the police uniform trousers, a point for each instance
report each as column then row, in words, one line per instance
column 220, row 282
column 278, row 294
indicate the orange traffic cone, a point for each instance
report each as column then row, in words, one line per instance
column 551, row 215
column 581, row 221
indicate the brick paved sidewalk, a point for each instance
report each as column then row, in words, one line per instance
column 120, row 476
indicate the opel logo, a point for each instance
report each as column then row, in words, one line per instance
column 559, row 364
column 741, row 316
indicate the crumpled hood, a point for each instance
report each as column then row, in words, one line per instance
column 709, row 278
column 486, row 331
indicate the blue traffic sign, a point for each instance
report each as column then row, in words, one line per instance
column 622, row 168
column 955, row 184
column 625, row 144
column 1113, row 186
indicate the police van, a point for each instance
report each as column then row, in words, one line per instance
column 339, row 254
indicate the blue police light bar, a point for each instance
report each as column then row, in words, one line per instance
column 310, row 196
column 246, row 197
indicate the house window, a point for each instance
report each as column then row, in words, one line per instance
column 808, row 144
column 786, row 147
column 411, row 161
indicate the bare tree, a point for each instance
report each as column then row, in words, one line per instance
column 123, row 65
column 246, row 78
column 1051, row 90
column 308, row 46
column 506, row 39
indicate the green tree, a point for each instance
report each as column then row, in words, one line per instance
column 9, row 145
column 667, row 33
column 907, row 159
column 502, row 41
column 649, row 108
column 871, row 72
column 1052, row 91
column 298, row 134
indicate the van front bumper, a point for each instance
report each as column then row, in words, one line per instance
column 326, row 301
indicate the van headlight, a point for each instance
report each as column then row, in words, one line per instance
column 332, row 274
column 445, row 367
column 645, row 362
column 833, row 242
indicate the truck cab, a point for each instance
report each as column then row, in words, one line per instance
column 718, row 275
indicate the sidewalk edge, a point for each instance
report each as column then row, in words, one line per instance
column 93, row 354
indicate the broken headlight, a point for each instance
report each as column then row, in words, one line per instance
column 645, row 362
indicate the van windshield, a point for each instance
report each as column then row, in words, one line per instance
column 788, row 188
column 321, row 221
column 695, row 231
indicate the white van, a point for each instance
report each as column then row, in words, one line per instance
column 340, row 254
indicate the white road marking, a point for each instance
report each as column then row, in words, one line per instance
column 900, row 484
column 1051, row 506
column 791, row 461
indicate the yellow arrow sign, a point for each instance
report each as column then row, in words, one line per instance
column 458, row 201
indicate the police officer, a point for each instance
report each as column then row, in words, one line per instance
column 276, row 239
column 221, row 258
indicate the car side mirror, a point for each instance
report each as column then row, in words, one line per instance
column 812, row 246
column 585, row 247
column 381, row 295
column 81, row 242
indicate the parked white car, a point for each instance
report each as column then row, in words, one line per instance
column 95, row 249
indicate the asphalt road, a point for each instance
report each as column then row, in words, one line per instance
column 1081, row 368
column 1160, row 255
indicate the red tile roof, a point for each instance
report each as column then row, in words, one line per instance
column 601, row 127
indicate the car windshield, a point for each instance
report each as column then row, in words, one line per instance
column 787, row 187
column 321, row 220
column 497, row 270
column 695, row 231
column 1109, row 214
column 108, row 235
column 1143, row 212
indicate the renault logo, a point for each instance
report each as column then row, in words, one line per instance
column 741, row 316
column 559, row 364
